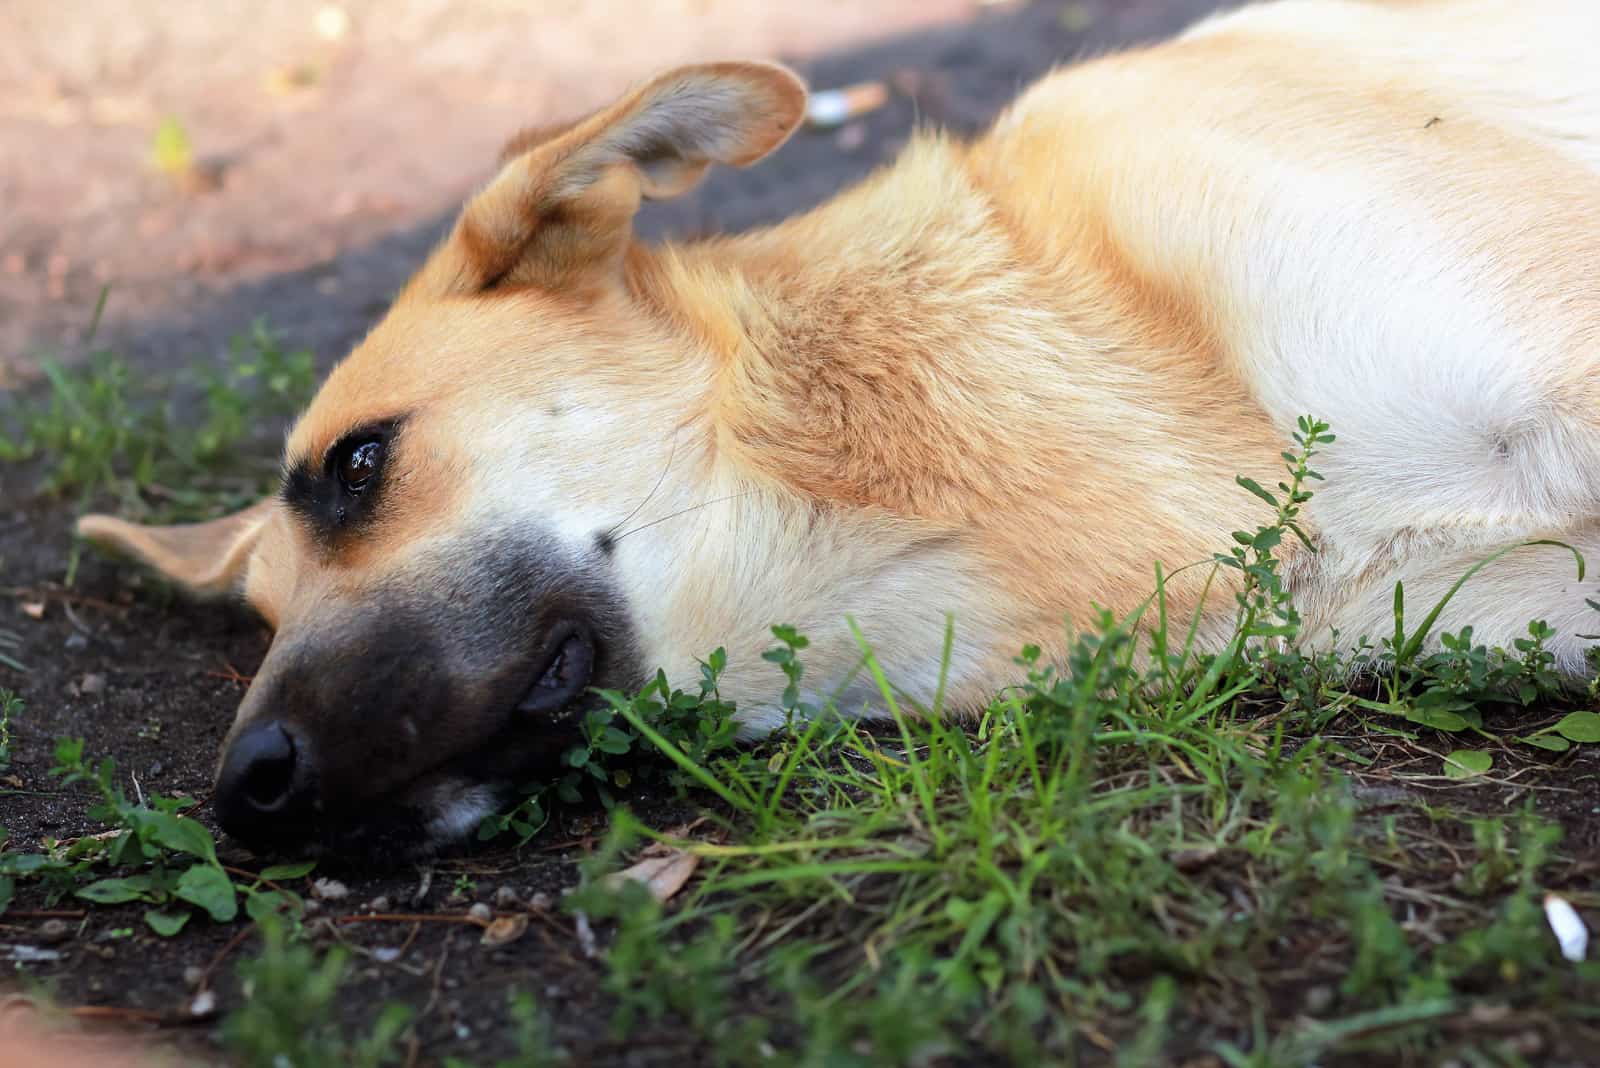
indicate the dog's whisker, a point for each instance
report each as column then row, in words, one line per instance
column 672, row 453
column 682, row 511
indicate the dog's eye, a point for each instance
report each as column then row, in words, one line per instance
column 357, row 462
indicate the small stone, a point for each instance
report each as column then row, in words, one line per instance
column 92, row 684
column 312, row 907
column 329, row 889
column 1318, row 1000
column 506, row 898
column 52, row 931
column 33, row 609
column 76, row 643
column 379, row 904
column 193, row 976
column 203, row 1004
column 539, row 902
column 480, row 913
column 386, row 954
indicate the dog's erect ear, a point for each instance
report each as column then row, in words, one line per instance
column 207, row 559
column 562, row 206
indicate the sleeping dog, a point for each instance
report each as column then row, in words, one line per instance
column 998, row 381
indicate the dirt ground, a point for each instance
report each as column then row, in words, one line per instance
column 332, row 142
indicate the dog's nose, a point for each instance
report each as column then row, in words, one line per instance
column 265, row 780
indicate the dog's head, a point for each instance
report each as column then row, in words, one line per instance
column 444, row 565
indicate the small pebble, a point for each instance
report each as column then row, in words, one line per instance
column 204, row 1004
column 91, row 684
column 193, row 976
column 329, row 889
column 506, row 898
column 539, row 902
column 312, row 906
column 76, row 643
column 480, row 913
column 52, row 931
column 386, row 954
column 378, row 904
column 1318, row 1000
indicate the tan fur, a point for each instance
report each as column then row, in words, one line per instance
column 1002, row 380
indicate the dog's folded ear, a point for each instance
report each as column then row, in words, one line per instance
column 563, row 203
column 206, row 559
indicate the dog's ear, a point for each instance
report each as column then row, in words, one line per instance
column 563, row 203
column 207, row 559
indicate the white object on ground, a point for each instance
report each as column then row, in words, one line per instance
column 1568, row 926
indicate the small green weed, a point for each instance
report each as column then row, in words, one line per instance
column 102, row 432
column 533, row 1034
column 288, row 1016
column 10, row 644
column 170, row 861
column 10, row 708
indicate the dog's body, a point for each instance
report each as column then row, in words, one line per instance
column 998, row 381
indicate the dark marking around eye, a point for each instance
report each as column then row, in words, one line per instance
column 339, row 491
column 553, row 411
column 605, row 542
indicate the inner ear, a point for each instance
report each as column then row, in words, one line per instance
column 564, row 204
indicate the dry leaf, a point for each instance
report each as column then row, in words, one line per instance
column 505, row 930
column 663, row 875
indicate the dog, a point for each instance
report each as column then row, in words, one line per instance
column 996, row 383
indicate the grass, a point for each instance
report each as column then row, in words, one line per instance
column 10, row 708
column 1143, row 854
column 157, row 450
